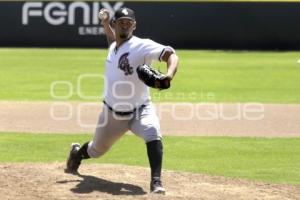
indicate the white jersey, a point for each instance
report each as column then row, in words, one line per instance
column 124, row 91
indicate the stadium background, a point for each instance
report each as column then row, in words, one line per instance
column 209, row 25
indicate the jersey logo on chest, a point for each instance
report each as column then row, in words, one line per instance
column 124, row 64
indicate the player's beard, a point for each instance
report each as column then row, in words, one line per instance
column 123, row 35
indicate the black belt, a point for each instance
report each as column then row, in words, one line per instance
column 122, row 113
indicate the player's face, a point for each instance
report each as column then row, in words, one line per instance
column 124, row 27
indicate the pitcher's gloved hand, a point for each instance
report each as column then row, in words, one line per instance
column 153, row 78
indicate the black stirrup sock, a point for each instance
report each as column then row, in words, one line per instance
column 155, row 154
column 82, row 152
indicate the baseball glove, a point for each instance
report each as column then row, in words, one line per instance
column 153, row 78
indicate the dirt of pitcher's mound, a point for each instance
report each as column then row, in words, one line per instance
column 106, row 181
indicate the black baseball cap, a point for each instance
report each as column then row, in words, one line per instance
column 124, row 13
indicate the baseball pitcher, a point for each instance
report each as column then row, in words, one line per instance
column 127, row 103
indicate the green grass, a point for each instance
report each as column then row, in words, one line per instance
column 203, row 76
column 274, row 160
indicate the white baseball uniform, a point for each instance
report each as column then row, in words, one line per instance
column 125, row 92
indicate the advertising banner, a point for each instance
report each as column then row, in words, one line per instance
column 189, row 25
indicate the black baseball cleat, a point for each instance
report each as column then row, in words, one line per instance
column 156, row 186
column 73, row 160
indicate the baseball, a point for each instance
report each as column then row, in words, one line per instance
column 102, row 15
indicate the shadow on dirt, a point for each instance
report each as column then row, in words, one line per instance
column 91, row 183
